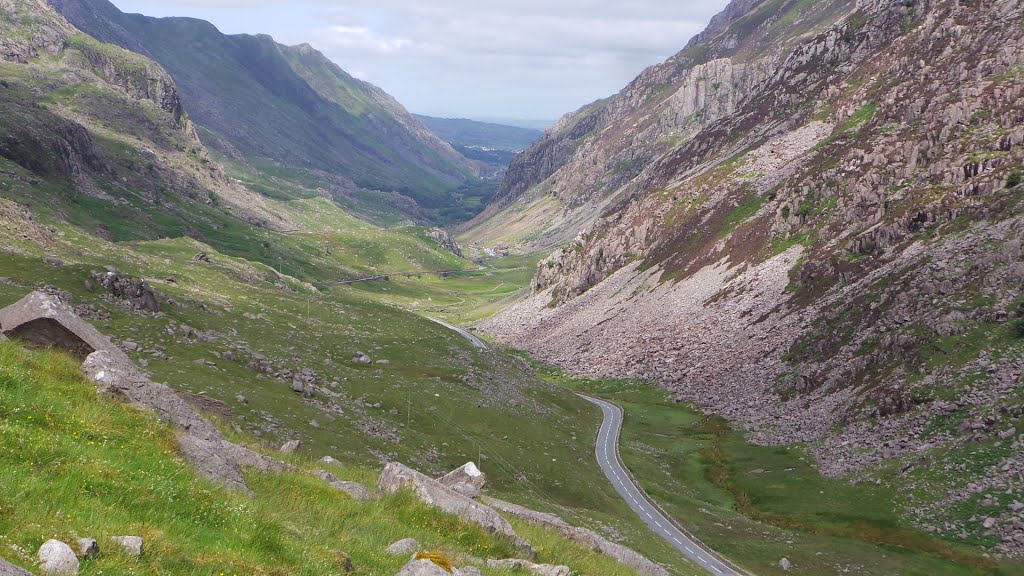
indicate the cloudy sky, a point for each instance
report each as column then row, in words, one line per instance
column 483, row 59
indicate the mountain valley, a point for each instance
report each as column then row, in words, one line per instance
column 793, row 254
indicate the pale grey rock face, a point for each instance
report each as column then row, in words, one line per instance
column 404, row 547
column 291, row 446
column 56, row 557
column 131, row 545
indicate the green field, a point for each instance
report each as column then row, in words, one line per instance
column 758, row 504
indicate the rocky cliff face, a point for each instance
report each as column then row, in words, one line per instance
column 103, row 123
column 818, row 234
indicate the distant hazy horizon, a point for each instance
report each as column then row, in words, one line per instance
column 523, row 65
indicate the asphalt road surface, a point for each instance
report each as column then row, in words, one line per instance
column 641, row 503
column 465, row 334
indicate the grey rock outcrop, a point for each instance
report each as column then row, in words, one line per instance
column 539, row 569
column 56, row 557
column 396, row 477
column 353, row 489
column 468, row 474
column 131, row 545
column 88, row 548
column 446, row 240
column 291, row 446
column 403, row 547
column 422, row 568
column 43, row 320
column 589, row 538
column 8, row 569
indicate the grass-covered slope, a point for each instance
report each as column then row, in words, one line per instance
column 256, row 99
column 74, row 464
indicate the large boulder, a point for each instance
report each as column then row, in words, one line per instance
column 8, row 569
column 467, row 474
column 56, row 557
column 589, row 538
column 404, row 547
column 540, row 569
column 396, row 477
column 43, row 320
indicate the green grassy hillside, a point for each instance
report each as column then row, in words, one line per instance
column 74, row 464
column 312, row 117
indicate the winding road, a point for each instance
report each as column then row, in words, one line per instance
column 464, row 333
column 660, row 522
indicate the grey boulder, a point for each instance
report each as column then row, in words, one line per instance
column 291, row 446
column 56, row 557
column 43, row 320
column 131, row 545
column 88, row 548
column 468, row 474
column 404, row 547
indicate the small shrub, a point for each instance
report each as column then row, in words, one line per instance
column 1018, row 327
column 1015, row 179
column 436, row 558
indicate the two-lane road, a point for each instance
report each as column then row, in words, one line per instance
column 641, row 503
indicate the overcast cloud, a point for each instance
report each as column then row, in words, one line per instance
column 465, row 58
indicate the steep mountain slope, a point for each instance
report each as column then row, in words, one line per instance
column 97, row 137
column 809, row 221
column 313, row 117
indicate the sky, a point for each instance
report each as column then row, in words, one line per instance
column 481, row 59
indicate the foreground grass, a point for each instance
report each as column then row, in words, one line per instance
column 758, row 504
column 74, row 464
